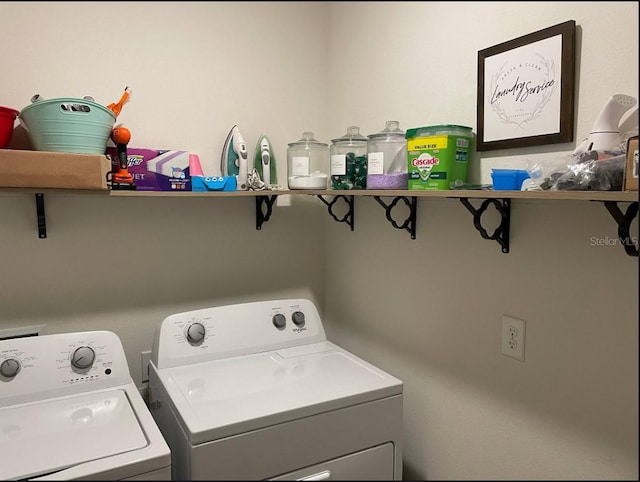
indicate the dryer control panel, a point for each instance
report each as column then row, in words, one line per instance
column 39, row 367
column 232, row 330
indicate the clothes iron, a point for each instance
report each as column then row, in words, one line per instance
column 265, row 161
column 235, row 160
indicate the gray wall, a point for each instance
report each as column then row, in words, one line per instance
column 430, row 310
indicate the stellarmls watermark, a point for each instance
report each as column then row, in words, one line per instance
column 610, row 241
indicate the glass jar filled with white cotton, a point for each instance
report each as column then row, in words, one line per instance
column 387, row 158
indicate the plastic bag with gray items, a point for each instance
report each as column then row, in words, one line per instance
column 593, row 171
column 597, row 170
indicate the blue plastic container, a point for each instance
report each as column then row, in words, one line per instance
column 508, row 179
column 68, row 125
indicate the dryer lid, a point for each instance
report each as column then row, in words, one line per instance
column 236, row 395
column 51, row 435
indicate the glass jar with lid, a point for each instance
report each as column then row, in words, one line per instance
column 349, row 160
column 308, row 163
column 387, row 158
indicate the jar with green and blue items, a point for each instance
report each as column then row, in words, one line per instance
column 349, row 160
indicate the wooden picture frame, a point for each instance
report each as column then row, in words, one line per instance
column 526, row 90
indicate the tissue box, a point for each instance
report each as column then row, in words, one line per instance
column 631, row 168
column 157, row 170
column 213, row 183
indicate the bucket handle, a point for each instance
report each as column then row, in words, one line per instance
column 74, row 108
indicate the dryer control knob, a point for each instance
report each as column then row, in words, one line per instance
column 195, row 333
column 298, row 318
column 83, row 357
column 279, row 321
column 10, row 367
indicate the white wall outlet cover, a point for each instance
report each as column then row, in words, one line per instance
column 513, row 331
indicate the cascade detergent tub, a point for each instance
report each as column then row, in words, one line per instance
column 437, row 156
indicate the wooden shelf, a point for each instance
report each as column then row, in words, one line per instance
column 622, row 196
column 499, row 200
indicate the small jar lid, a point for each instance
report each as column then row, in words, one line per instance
column 307, row 140
column 391, row 130
column 352, row 136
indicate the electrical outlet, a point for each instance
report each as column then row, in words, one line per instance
column 513, row 331
column 145, row 358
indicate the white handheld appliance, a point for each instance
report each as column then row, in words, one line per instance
column 240, row 147
column 265, row 154
column 605, row 133
column 235, row 160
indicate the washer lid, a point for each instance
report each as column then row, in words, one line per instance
column 236, row 395
column 48, row 436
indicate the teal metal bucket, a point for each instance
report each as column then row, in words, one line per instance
column 68, row 125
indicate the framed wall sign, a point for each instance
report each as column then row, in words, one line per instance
column 526, row 90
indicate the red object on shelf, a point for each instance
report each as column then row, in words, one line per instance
column 7, row 120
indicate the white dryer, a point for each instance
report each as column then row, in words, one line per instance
column 70, row 410
column 255, row 391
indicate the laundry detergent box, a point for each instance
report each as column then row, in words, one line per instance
column 156, row 169
column 438, row 156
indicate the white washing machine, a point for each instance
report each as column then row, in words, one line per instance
column 70, row 410
column 255, row 391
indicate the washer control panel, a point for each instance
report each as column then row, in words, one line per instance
column 61, row 363
column 195, row 333
column 232, row 330
column 10, row 367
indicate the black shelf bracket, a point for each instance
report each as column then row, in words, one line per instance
column 409, row 224
column 261, row 216
column 42, row 220
column 501, row 234
column 624, row 223
column 348, row 217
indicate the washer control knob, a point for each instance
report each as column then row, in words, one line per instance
column 298, row 318
column 9, row 367
column 83, row 357
column 279, row 321
column 195, row 333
